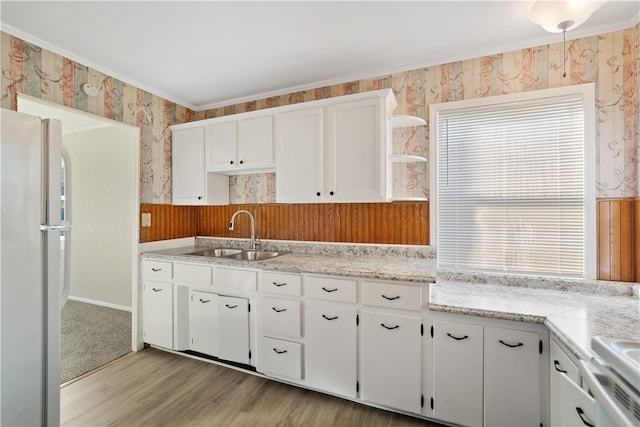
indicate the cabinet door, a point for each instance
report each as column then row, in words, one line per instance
column 157, row 313
column 299, row 162
column 512, row 378
column 457, row 373
column 331, row 358
column 354, row 153
column 391, row 360
column 203, row 322
column 221, row 147
column 188, row 173
column 255, row 143
column 233, row 329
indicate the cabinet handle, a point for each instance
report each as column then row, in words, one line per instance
column 155, row 270
column 329, row 290
column 279, row 284
column 511, row 345
column 231, row 306
column 389, row 327
column 204, row 301
column 278, row 310
column 329, row 318
column 583, row 416
column 556, row 365
column 457, row 338
column 390, row 298
column 156, row 289
column 318, row 194
column 279, row 351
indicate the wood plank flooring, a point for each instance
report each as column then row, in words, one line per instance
column 157, row 388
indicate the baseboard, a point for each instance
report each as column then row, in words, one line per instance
column 102, row 303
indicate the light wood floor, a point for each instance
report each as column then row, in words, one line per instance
column 157, row 388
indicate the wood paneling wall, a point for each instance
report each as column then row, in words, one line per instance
column 168, row 222
column 385, row 223
column 618, row 231
column 618, row 226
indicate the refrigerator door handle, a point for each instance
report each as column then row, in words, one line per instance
column 47, row 227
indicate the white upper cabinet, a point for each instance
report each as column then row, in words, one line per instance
column 334, row 152
column 240, row 146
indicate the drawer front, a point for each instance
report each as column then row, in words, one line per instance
column 281, row 284
column 282, row 358
column 192, row 273
column 235, row 278
column 327, row 288
column 389, row 295
column 562, row 364
column 156, row 270
column 280, row 317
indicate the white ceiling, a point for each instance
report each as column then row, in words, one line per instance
column 206, row 54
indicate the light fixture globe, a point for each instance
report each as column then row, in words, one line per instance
column 557, row 16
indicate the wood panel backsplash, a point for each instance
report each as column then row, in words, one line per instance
column 407, row 223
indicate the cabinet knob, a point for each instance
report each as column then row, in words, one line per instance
column 199, row 197
column 242, row 162
column 231, row 162
column 318, row 194
column 331, row 193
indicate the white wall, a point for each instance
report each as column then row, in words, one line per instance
column 103, row 162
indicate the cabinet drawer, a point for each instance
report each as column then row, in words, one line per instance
column 326, row 288
column 235, row 278
column 156, row 270
column 280, row 317
column 192, row 273
column 282, row 358
column 281, row 283
column 390, row 295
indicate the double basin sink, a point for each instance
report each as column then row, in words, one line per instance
column 240, row 254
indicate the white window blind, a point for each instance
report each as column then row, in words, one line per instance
column 510, row 187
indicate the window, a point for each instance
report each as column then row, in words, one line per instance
column 513, row 183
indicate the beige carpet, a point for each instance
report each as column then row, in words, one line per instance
column 91, row 336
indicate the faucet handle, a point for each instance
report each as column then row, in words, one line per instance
column 257, row 242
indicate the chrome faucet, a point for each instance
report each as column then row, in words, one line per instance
column 255, row 241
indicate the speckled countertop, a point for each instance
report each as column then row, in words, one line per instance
column 573, row 310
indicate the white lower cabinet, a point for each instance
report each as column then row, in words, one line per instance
column 281, row 358
column 457, row 355
column 570, row 405
column 391, row 360
column 511, row 378
column 203, row 322
column 331, row 349
column 233, row 329
column 487, row 374
column 157, row 313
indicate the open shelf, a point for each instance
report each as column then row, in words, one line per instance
column 406, row 121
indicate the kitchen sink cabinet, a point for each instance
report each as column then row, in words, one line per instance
column 233, row 330
column 500, row 377
column 334, row 153
column 239, row 146
column 331, row 349
column 192, row 185
column 203, row 322
column 391, row 360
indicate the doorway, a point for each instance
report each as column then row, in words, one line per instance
column 101, row 195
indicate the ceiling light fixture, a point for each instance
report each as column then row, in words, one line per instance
column 562, row 16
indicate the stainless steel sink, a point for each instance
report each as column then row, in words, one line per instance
column 239, row 254
column 216, row 253
column 251, row 255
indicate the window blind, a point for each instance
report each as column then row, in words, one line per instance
column 510, row 187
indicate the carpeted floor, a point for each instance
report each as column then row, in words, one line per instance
column 91, row 336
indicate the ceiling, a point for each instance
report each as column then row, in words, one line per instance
column 206, row 54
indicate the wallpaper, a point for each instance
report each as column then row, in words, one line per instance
column 611, row 60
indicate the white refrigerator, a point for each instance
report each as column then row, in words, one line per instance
column 30, row 234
